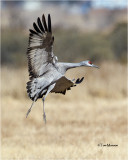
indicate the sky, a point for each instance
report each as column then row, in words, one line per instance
column 110, row 3
column 96, row 4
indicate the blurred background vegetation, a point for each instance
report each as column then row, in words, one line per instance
column 105, row 40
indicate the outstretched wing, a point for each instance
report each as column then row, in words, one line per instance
column 40, row 52
column 64, row 84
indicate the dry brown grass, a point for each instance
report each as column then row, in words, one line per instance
column 93, row 112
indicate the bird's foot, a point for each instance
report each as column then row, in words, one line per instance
column 28, row 112
column 44, row 117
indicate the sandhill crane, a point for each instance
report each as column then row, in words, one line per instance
column 46, row 74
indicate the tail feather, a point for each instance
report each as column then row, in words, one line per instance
column 34, row 90
column 30, row 89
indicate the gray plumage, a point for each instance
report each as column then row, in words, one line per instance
column 46, row 74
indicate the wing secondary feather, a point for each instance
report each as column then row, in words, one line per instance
column 64, row 84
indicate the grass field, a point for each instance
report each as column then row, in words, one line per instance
column 92, row 113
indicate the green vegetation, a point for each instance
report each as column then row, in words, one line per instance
column 118, row 39
column 13, row 47
column 69, row 45
column 78, row 46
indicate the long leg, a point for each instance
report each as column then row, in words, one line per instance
column 31, row 106
column 49, row 89
column 29, row 109
column 44, row 115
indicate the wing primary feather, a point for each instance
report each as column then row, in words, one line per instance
column 44, row 23
column 81, row 79
column 36, row 28
column 40, row 24
column 49, row 23
column 40, row 51
column 77, row 81
column 53, row 38
column 33, row 32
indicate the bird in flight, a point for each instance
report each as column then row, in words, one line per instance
column 46, row 74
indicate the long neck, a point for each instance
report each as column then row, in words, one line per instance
column 63, row 67
column 73, row 65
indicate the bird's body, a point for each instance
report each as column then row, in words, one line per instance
column 46, row 73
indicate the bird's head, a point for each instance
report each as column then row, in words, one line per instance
column 88, row 64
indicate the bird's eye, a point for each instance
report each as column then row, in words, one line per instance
column 89, row 62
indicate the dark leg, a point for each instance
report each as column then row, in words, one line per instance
column 29, row 109
column 44, row 115
column 49, row 89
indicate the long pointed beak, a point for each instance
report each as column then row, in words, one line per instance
column 95, row 66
